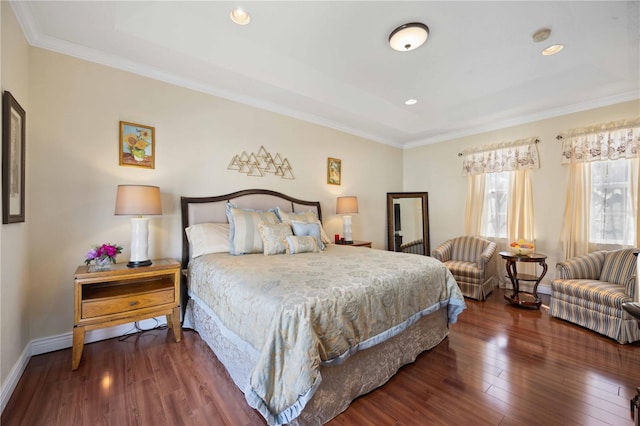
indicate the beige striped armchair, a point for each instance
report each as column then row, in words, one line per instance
column 589, row 290
column 470, row 260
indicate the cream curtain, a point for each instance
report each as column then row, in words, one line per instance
column 575, row 229
column 518, row 158
column 520, row 207
column 475, row 204
column 580, row 147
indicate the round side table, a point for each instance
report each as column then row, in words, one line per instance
column 519, row 298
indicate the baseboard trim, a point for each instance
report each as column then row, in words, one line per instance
column 64, row 341
column 13, row 377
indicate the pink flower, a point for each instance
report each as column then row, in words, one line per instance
column 104, row 251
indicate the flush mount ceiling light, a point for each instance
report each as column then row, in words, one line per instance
column 411, row 101
column 239, row 16
column 408, row 36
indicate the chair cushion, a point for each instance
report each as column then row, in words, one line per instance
column 599, row 292
column 465, row 271
column 618, row 266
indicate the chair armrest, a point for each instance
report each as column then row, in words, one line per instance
column 586, row 267
column 443, row 251
column 630, row 288
column 486, row 255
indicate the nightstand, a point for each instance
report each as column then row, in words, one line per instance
column 121, row 295
column 358, row 243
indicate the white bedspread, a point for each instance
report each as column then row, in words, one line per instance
column 300, row 311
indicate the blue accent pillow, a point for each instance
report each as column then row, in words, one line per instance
column 313, row 229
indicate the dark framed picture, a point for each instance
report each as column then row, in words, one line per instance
column 13, row 159
column 137, row 145
column 334, row 171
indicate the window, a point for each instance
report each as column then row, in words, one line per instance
column 494, row 213
column 611, row 212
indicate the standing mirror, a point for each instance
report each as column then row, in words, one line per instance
column 408, row 222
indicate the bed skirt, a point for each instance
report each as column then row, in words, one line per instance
column 359, row 374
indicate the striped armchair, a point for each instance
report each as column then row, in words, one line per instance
column 470, row 260
column 415, row 247
column 589, row 291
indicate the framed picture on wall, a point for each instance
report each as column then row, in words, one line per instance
column 137, row 145
column 13, row 159
column 334, row 171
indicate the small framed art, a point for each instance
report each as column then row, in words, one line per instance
column 13, row 159
column 137, row 145
column 334, row 171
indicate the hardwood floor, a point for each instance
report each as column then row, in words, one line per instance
column 501, row 365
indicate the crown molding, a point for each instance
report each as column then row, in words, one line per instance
column 36, row 38
column 552, row 113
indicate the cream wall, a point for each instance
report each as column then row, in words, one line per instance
column 14, row 283
column 438, row 169
column 73, row 170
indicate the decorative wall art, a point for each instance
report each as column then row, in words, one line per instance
column 137, row 145
column 13, row 159
column 263, row 162
column 334, row 171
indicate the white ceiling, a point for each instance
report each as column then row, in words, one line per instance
column 329, row 62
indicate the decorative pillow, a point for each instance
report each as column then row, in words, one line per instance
column 244, row 236
column 273, row 236
column 303, row 244
column 307, row 217
column 618, row 266
column 208, row 238
column 313, row 229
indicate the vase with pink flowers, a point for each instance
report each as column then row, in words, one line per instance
column 103, row 256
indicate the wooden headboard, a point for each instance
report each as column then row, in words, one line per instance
column 213, row 209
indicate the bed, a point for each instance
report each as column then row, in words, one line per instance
column 305, row 331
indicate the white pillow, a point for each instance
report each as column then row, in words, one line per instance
column 208, row 238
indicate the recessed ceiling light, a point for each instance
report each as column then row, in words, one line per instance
column 411, row 101
column 552, row 50
column 239, row 16
column 408, row 36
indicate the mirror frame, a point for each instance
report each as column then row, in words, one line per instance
column 425, row 218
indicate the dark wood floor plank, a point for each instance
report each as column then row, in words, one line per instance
column 500, row 365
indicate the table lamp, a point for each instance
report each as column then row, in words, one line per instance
column 138, row 200
column 347, row 206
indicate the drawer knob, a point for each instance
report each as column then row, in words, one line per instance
column 133, row 303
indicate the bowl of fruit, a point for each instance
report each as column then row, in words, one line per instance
column 521, row 248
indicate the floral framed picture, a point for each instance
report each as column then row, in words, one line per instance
column 137, row 145
column 13, row 159
column 334, row 171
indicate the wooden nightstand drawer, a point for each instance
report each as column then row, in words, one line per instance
column 99, row 300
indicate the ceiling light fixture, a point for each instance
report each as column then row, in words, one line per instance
column 411, row 101
column 408, row 36
column 552, row 50
column 239, row 16
column 541, row 35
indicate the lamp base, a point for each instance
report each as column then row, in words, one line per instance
column 138, row 264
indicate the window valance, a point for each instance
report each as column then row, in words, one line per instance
column 608, row 141
column 517, row 155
